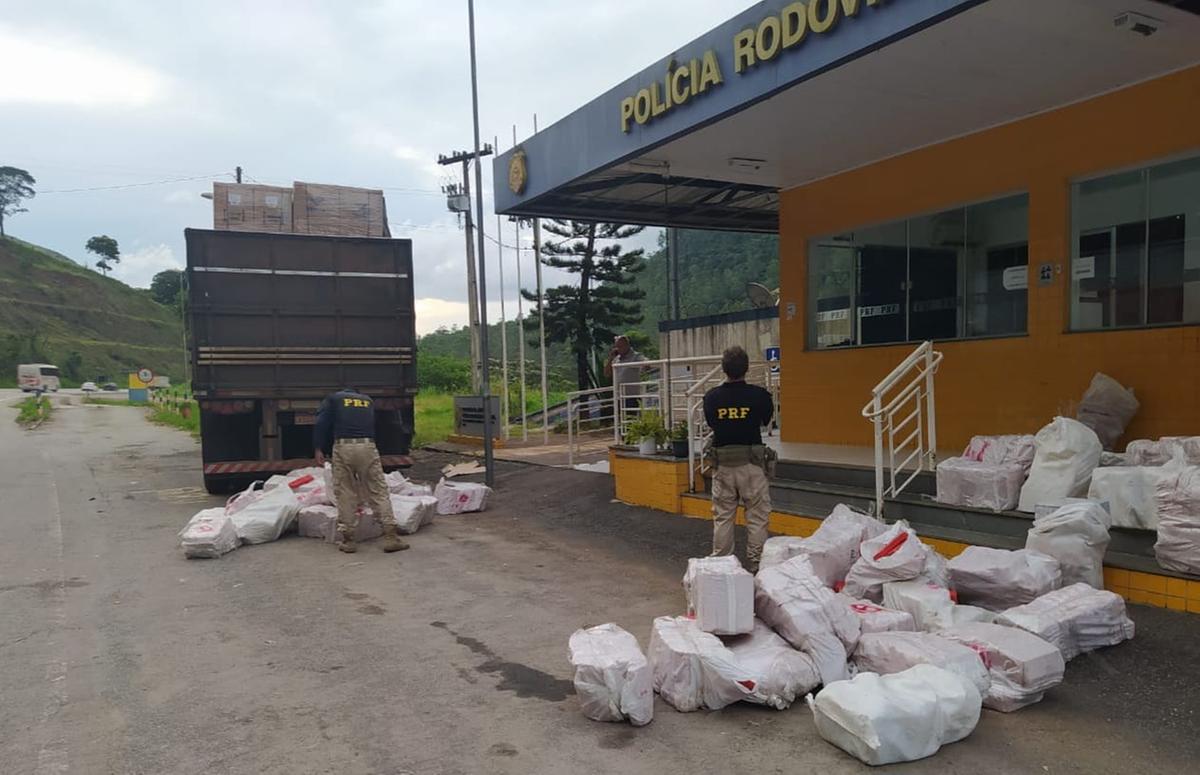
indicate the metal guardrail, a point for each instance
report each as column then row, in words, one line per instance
column 902, row 405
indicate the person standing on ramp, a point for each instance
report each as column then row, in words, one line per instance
column 345, row 430
column 736, row 412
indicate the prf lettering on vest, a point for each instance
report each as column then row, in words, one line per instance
column 733, row 412
column 355, row 402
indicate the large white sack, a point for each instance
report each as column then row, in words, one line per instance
column 831, row 549
column 1107, row 407
column 876, row 618
column 792, row 600
column 1188, row 446
column 613, row 679
column 693, row 669
column 998, row 579
column 1067, row 453
column 1021, row 666
column 1077, row 536
column 273, row 481
column 1129, row 492
column 780, row 672
column 937, row 568
column 208, row 534
column 894, row 555
column 897, row 718
column 1177, row 499
column 320, row 521
column 976, row 485
column 461, row 497
column 720, row 594
column 413, row 513
column 267, row 517
column 894, row 652
column 930, row 605
column 1076, row 619
column 1002, row 450
column 779, row 549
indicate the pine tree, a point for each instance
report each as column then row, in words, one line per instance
column 604, row 302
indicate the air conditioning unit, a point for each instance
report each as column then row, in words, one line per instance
column 1137, row 22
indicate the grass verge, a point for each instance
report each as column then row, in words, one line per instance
column 110, row 401
column 183, row 415
column 33, row 410
column 434, row 418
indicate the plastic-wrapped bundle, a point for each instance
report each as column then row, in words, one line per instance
column 832, row 548
column 1107, row 407
column 1077, row 619
column 998, row 579
column 882, row 719
column 461, row 497
column 721, row 595
column 875, row 618
column 930, row 605
column 1129, row 493
column 1077, row 536
column 1002, row 450
column 893, row 652
column 612, row 677
column 894, row 555
column 1021, row 666
column 791, row 599
column 1067, row 453
column 1177, row 497
column 976, row 485
column 413, row 512
column 693, row 669
column 208, row 534
column 781, row 673
column 321, row 522
column 779, row 549
column 266, row 517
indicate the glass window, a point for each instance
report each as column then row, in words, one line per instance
column 940, row 276
column 1133, row 264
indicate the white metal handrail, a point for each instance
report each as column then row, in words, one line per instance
column 601, row 398
column 908, row 414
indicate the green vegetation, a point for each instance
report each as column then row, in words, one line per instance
column 110, row 401
column 185, row 416
column 52, row 310
column 434, row 417
column 33, row 409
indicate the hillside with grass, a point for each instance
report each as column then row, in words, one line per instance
column 52, row 310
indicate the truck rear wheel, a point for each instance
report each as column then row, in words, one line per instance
column 219, row 485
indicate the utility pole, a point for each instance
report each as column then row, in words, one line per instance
column 521, row 339
column 238, row 174
column 457, row 205
column 537, row 255
column 503, row 320
column 488, row 459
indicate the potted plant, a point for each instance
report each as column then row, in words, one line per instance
column 679, row 439
column 647, row 432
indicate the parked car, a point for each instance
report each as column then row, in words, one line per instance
column 111, row 386
column 89, row 387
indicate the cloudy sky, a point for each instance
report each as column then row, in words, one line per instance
column 144, row 104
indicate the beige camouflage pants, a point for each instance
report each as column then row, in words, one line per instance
column 357, row 472
column 748, row 484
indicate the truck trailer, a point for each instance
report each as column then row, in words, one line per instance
column 277, row 322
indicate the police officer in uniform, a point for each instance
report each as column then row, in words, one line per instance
column 736, row 412
column 345, row 430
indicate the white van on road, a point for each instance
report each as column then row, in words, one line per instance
column 37, row 376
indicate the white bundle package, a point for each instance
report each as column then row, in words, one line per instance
column 720, row 592
column 781, row 673
column 998, row 579
column 208, row 534
column 894, row 555
column 1021, row 666
column 832, row 548
column 413, row 513
column 1076, row 535
column 1002, row 450
column 792, row 600
column 897, row 718
column 613, row 679
column 978, row 485
column 1188, row 446
column 1107, row 407
column 461, row 497
column 1067, row 453
column 273, row 481
column 693, row 669
column 777, row 549
column 930, row 605
column 876, row 618
column 1129, row 492
column 1077, row 619
column 265, row 518
column 894, row 652
column 1177, row 498
column 320, row 521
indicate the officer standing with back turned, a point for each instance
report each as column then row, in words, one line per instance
column 345, row 429
column 736, row 412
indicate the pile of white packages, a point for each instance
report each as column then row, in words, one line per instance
column 895, row 663
column 303, row 501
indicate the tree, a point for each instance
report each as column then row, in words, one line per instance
column 105, row 247
column 166, row 286
column 591, row 313
column 73, row 366
column 15, row 185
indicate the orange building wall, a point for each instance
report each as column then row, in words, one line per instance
column 999, row 385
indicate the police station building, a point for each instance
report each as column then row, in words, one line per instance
column 1016, row 180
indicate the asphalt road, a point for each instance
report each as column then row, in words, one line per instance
column 117, row 655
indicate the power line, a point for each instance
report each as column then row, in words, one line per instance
column 134, row 185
